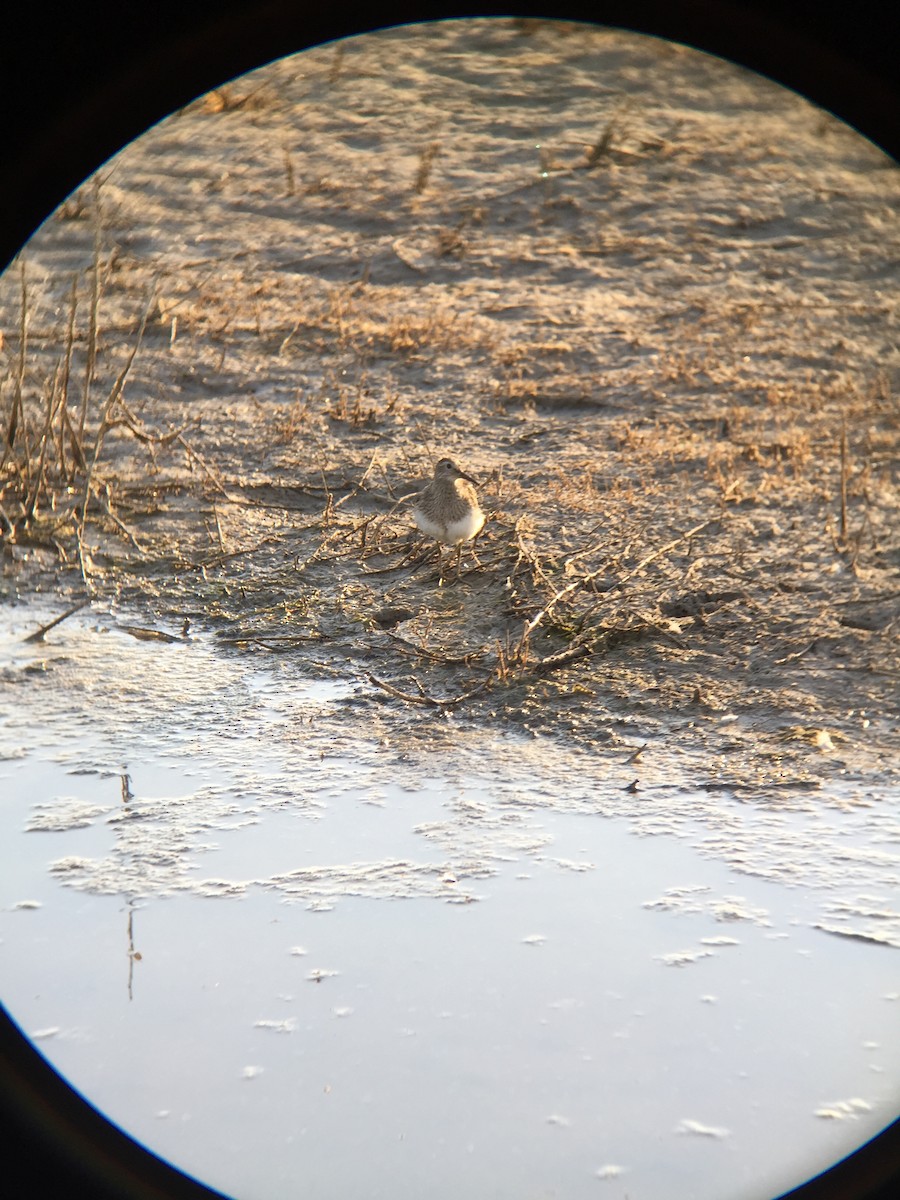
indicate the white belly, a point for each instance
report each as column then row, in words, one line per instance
column 428, row 527
column 461, row 531
column 453, row 533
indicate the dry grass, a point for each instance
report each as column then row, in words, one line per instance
column 368, row 322
column 236, row 97
column 57, row 414
column 426, row 161
column 676, row 434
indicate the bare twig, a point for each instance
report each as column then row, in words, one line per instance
column 222, row 546
column 106, row 501
column 528, row 556
column 143, row 634
column 451, row 660
column 645, row 562
column 780, row 662
column 553, row 662
column 216, row 560
column 423, row 698
column 38, row 635
column 201, row 462
column 357, row 487
column 583, row 580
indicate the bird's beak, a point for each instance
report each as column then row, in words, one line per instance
column 463, row 475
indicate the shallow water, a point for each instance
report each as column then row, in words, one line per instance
column 291, row 949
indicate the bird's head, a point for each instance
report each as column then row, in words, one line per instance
column 446, row 468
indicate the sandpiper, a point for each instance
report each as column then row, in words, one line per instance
column 448, row 509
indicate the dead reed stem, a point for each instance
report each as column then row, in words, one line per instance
column 90, row 363
column 77, row 454
column 102, row 429
column 844, row 466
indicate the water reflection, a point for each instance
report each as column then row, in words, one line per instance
column 581, row 983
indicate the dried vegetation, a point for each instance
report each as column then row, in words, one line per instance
column 658, row 330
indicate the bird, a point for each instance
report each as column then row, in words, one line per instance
column 447, row 509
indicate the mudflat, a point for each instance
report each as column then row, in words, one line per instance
column 647, row 299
